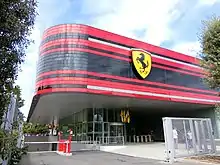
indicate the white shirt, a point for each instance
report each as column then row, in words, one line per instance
column 175, row 134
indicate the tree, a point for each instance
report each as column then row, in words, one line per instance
column 210, row 44
column 9, row 138
column 17, row 93
column 17, row 19
column 210, row 58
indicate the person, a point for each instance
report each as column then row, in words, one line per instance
column 189, row 139
column 175, row 138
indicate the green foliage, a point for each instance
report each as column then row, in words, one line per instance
column 210, row 43
column 9, row 149
column 16, row 155
column 217, row 111
column 16, row 22
column 8, row 140
column 17, row 93
column 8, row 143
column 29, row 128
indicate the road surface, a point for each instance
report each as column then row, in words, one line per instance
column 91, row 158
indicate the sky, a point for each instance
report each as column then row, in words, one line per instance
column 173, row 24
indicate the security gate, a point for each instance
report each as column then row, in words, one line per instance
column 186, row 137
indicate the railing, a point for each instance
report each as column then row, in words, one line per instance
column 85, row 146
column 82, row 138
column 119, row 140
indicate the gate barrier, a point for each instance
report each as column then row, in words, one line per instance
column 185, row 137
column 62, row 147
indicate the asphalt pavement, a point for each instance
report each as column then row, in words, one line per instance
column 91, row 158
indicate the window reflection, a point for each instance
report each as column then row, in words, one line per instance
column 64, row 36
column 86, row 61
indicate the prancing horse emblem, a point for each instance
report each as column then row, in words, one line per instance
column 142, row 62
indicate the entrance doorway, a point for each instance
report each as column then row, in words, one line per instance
column 116, row 129
column 116, row 133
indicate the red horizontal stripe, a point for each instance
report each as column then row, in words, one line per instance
column 94, row 82
column 84, row 90
column 119, row 39
column 114, row 49
column 123, row 79
column 116, row 57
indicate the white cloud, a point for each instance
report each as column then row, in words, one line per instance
column 189, row 48
column 127, row 16
column 49, row 11
column 207, row 2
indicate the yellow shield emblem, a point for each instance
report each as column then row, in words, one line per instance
column 142, row 62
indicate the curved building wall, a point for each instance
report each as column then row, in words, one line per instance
column 74, row 58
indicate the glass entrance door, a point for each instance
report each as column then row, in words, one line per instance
column 116, row 133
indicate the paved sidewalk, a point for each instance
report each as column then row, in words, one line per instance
column 149, row 151
column 91, row 158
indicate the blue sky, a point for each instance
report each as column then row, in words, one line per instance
column 174, row 24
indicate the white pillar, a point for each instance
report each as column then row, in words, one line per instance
column 217, row 122
column 218, row 126
column 55, row 122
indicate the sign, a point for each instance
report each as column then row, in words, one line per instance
column 54, row 132
column 125, row 116
column 142, row 62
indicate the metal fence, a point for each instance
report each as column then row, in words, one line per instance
column 186, row 137
column 119, row 140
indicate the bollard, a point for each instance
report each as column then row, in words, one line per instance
column 134, row 138
column 138, row 139
column 142, row 138
column 150, row 139
column 146, row 140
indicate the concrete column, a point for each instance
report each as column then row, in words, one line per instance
column 55, row 122
column 217, row 119
column 53, row 137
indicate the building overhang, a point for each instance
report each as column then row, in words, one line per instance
column 46, row 107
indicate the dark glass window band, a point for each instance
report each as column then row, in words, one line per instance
column 84, row 47
column 86, row 36
column 105, row 51
column 120, row 81
column 102, row 64
column 64, row 36
column 68, row 60
column 124, row 45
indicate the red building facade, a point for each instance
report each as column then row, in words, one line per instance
column 84, row 60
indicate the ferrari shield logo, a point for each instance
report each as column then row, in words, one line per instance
column 142, row 62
